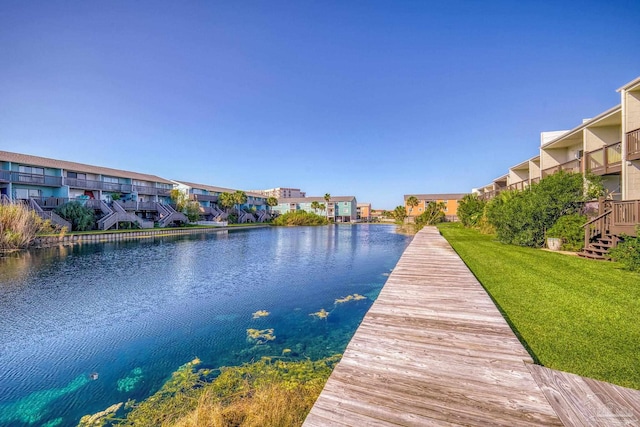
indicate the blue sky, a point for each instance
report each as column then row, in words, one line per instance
column 368, row 98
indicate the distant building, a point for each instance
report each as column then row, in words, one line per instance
column 364, row 211
column 281, row 193
column 450, row 200
column 339, row 208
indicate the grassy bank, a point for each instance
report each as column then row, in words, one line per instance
column 572, row 314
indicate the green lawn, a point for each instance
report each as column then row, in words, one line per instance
column 572, row 314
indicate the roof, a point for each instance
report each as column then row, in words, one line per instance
column 443, row 196
column 45, row 162
column 633, row 84
column 217, row 189
column 525, row 164
column 600, row 117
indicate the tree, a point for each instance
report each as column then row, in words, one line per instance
column 192, row 210
column 399, row 214
column 179, row 198
column 272, row 201
column 315, row 205
column 226, row 200
column 322, row 206
column 433, row 214
column 239, row 198
column 470, row 210
column 81, row 217
column 327, row 197
column 412, row 202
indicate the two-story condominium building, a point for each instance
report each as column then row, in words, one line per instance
column 254, row 210
column 339, row 208
column 31, row 177
column 450, row 200
column 116, row 195
column 607, row 145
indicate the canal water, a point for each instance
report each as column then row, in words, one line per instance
column 84, row 327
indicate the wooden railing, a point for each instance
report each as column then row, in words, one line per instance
column 616, row 218
column 570, row 166
column 32, row 178
column 518, row 185
column 626, row 216
column 597, row 227
column 605, row 160
column 633, row 145
column 535, row 180
column 203, row 197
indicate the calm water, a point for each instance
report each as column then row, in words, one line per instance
column 135, row 311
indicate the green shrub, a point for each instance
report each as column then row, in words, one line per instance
column 81, row 217
column 627, row 252
column 471, row 210
column 522, row 217
column 569, row 229
column 300, row 218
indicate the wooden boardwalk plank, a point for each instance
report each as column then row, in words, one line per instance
column 582, row 401
column 433, row 350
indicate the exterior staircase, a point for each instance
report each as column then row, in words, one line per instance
column 603, row 232
column 124, row 216
column 262, row 216
column 55, row 219
column 168, row 215
column 599, row 248
column 244, row 217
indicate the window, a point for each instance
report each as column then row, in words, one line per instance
column 31, row 170
column 110, row 179
column 24, row 193
column 76, row 175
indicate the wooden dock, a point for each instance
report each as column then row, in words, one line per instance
column 434, row 350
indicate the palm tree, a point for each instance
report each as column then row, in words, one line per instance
column 272, row 201
column 226, row 200
column 412, row 202
column 327, row 197
column 239, row 198
column 315, row 205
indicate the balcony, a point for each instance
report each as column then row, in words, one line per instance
column 149, row 190
column 33, row 179
column 606, row 160
column 88, row 184
column 518, row 185
column 626, row 216
column 570, row 166
column 203, row 197
column 633, row 145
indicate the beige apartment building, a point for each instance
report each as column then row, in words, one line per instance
column 607, row 145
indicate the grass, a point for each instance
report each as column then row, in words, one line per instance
column 572, row 314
